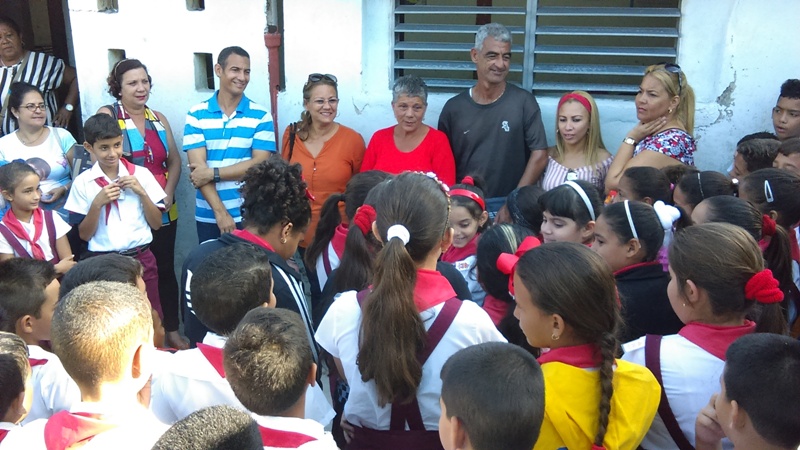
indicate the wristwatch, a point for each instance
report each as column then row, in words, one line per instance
column 629, row 140
column 216, row 175
column 69, row 107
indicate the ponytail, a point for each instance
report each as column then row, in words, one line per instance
column 329, row 219
column 356, row 267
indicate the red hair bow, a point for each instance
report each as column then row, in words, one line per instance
column 309, row 195
column 468, row 180
column 365, row 216
column 763, row 288
column 768, row 226
column 507, row 263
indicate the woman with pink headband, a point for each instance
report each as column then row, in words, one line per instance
column 579, row 153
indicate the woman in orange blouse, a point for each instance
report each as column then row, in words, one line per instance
column 329, row 152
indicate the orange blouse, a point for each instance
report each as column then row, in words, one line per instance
column 328, row 173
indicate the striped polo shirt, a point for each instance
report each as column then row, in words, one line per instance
column 228, row 141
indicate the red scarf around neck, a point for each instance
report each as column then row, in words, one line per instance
column 102, row 182
column 15, row 226
column 66, row 430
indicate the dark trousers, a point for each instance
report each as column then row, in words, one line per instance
column 163, row 248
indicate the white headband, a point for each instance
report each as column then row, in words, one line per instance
column 400, row 232
column 630, row 220
column 583, row 196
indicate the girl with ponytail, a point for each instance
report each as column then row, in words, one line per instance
column 391, row 341
column 717, row 277
column 566, row 301
column 468, row 219
column 628, row 235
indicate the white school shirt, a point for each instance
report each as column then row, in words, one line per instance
column 190, row 383
column 11, row 427
column 316, row 436
column 333, row 260
column 62, row 228
column 138, row 429
column 690, row 375
column 53, row 389
column 127, row 225
column 339, row 335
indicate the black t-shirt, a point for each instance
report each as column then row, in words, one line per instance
column 494, row 140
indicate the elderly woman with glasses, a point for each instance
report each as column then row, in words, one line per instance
column 329, row 152
column 663, row 136
column 411, row 145
column 47, row 149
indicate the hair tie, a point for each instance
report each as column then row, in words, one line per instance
column 667, row 214
column 468, row 180
column 671, row 187
column 507, row 263
column 308, row 193
column 400, row 232
column 513, row 209
column 763, row 288
column 630, row 219
column 470, row 195
column 583, row 196
column 577, row 97
column 768, row 226
column 364, row 218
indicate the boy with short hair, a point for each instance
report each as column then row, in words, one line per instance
column 788, row 157
column 213, row 428
column 758, row 406
column 116, row 203
column 15, row 379
column 269, row 366
column 103, row 333
column 28, row 294
column 506, row 384
column 754, row 153
column 229, row 283
column 786, row 113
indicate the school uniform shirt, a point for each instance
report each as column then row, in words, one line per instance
column 339, row 335
column 6, row 428
column 53, row 389
column 291, row 432
column 195, row 379
column 102, row 426
column 62, row 228
column 122, row 226
column 691, row 363
column 464, row 260
column 572, row 396
column 329, row 259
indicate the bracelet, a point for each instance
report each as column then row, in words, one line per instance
column 216, row 175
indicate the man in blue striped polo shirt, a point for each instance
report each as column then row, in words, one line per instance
column 224, row 136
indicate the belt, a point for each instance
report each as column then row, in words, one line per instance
column 135, row 251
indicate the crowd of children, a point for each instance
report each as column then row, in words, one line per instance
column 658, row 319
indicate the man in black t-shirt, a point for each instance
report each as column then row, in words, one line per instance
column 495, row 128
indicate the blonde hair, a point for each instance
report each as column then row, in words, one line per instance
column 676, row 85
column 594, row 139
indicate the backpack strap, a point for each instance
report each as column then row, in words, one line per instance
column 51, row 232
column 652, row 359
column 14, row 242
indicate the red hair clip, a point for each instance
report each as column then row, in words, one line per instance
column 763, row 288
column 365, row 216
column 507, row 263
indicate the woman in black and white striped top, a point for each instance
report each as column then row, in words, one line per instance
column 44, row 71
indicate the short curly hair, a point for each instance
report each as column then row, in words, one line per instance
column 114, row 79
column 274, row 192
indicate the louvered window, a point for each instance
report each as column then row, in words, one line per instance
column 558, row 45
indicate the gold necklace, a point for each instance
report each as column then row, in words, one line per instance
column 31, row 141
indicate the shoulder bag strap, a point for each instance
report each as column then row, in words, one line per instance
column 13, row 242
column 292, row 134
column 652, row 359
column 51, row 232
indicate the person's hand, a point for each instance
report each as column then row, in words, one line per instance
column 200, row 176
column 347, row 430
column 225, row 222
column 173, row 339
column 132, row 183
column 168, row 200
column 65, row 264
column 642, row 130
column 62, row 118
column 53, row 195
column 708, row 432
column 143, row 396
column 503, row 216
column 108, row 194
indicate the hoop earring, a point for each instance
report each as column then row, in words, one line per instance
column 555, row 337
column 669, row 111
column 283, row 240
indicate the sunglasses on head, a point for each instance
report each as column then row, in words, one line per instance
column 314, row 77
column 673, row 68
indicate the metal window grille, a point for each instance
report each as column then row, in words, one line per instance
column 558, row 45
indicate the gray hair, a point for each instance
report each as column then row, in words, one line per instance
column 494, row 30
column 411, row 86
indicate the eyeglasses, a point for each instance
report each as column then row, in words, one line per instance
column 315, row 77
column 676, row 69
column 32, row 107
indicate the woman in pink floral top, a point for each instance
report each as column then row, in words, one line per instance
column 665, row 109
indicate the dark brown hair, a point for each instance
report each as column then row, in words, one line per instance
column 391, row 330
column 785, row 189
column 574, row 282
